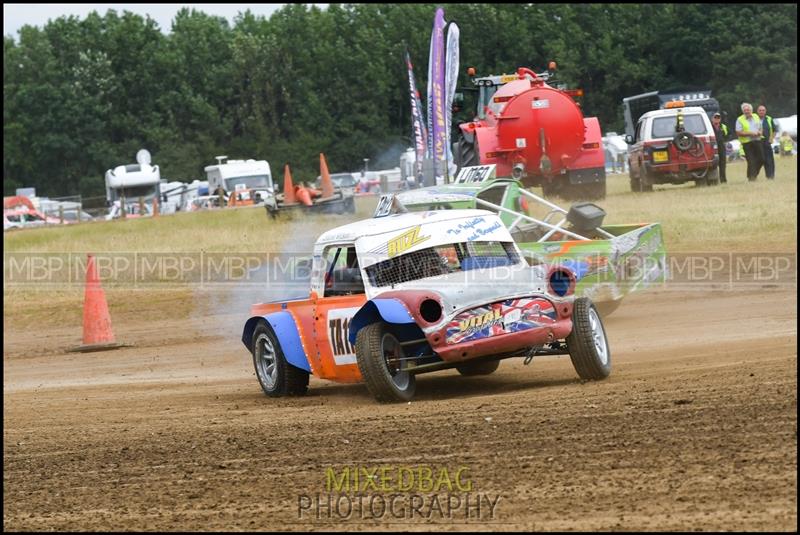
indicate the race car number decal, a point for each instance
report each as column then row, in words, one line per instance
column 338, row 335
column 476, row 173
column 509, row 316
column 405, row 241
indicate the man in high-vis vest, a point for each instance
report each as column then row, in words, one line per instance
column 787, row 144
column 767, row 137
column 721, row 134
column 748, row 129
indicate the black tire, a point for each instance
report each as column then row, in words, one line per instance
column 284, row 379
column 713, row 177
column 386, row 382
column 466, row 153
column 636, row 180
column 606, row 308
column 587, row 343
column 645, row 183
column 550, row 188
column 701, row 182
column 481, row 367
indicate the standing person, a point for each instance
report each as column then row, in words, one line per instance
column 786, row 144
column 767, row 137
column 748, row 128
column 721, row 133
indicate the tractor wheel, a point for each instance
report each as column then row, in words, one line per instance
column 276, row 376
column 587, row 343
column 377, row 353
column 483, row 367
column 466, row 153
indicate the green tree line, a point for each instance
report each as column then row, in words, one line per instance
column 83, row 95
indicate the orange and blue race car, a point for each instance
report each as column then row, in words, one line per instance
column 409, row 293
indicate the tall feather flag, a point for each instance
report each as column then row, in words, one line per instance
column 437, row 122
column 451, row 80
column 418, row 129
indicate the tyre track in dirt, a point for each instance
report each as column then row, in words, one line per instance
column 695, row 429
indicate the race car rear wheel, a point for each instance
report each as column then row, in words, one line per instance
column 483, row 367
column 587, row 343
column 276, row 376
column 379, row 356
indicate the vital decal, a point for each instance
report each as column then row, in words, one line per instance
column 508, row 316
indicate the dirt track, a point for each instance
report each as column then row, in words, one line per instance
column 695, row 429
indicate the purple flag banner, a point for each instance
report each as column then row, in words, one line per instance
column 451, row 80
column 418, row 128
column 436, row 96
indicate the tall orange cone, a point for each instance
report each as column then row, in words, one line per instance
column 327, row 185
column 288, row 187
column 97, row 333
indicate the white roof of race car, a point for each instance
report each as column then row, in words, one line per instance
column 395, row 222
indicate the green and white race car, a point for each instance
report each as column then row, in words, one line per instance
column 610, row 261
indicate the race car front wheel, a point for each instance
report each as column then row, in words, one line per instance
column 380, row 359
column 276, row 376
column 587, row 343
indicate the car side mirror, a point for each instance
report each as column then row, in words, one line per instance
column 629, row 139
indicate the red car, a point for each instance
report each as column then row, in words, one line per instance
column 673, row 146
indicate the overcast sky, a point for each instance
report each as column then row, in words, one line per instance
column 15, row 16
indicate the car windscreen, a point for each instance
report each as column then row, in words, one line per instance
column 252, row 181
column 441, row 260
column 665, row 126
column 344, row 180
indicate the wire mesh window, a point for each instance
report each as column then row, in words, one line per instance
column 441, row 260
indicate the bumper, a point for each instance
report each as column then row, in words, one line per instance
column 505, row 343
column 679, row 169
column 456, row 344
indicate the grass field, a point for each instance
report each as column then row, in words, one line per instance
column 754, row 217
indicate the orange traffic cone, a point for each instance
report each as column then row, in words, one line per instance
column 97, row 333
column 303, row 195
column 327, row 185
column 288, row 187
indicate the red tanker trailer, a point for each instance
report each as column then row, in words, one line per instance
column 535, row 133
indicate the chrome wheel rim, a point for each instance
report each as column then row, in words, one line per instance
column 598, row 336
column 392, row 352
column 267, row 361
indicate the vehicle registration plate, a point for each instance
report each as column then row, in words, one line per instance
column 660, row 156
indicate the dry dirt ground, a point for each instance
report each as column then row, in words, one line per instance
column 696, row 429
